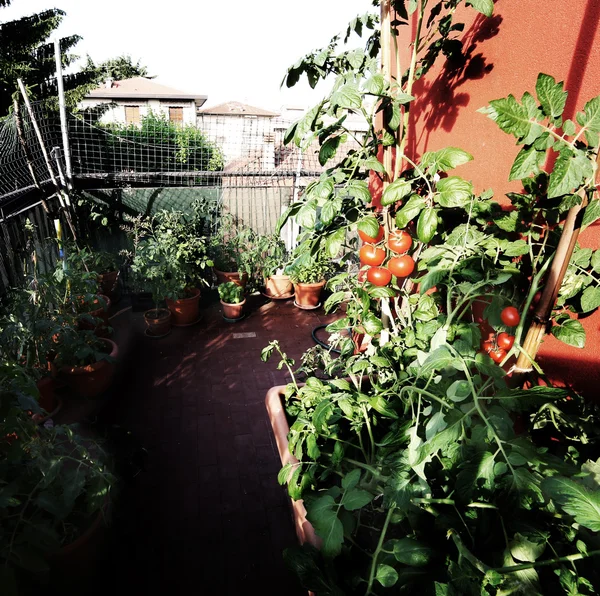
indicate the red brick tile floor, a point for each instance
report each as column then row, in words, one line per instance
column 205, row 514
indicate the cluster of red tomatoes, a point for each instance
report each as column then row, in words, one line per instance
column 498, row 345
column 372, row 255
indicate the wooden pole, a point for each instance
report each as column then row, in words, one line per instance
column 63, row 114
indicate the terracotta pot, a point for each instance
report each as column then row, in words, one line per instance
column 185, row 311
column 361, row 341
column 274, row 403
column 234, row 276
column 93, row 379
column 278, row 286
column 233, row 311
column 158, row 321
column 308, row 294
column 108, row 282
column 100, row 312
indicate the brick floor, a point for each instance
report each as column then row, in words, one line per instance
column 206, row 516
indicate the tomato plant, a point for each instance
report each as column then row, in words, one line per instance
column 399, row 241
column 401, row 266
column 379, row 276
column 371, row 255
column 510, row 316
column 369, row 239
column 505, row 340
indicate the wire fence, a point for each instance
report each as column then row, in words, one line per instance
column 234, row 157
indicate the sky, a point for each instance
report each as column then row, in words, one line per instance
column 232, row 50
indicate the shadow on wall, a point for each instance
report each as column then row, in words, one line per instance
column 439, row 101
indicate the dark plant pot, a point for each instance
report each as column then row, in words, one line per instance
column 233, row 311
column 278, row 286
column 108, row 283
column 234, row 276
column 93, row 379
column 185, row 311
column 158, row 321
column 308, row 294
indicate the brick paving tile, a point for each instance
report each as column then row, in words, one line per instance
column 205, row 513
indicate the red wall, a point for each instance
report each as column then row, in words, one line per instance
column 505, row 54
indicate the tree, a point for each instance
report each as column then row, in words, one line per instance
column 25, row 53
column 118, row 69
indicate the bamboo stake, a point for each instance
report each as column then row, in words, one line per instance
column 543, row 311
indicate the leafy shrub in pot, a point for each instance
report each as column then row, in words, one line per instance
column 232, row 300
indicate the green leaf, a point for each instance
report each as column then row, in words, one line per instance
column 569, row 127
column 347, row 96
column 334, row 300
column 458, row 391
column 387, row 576
column 510, row 116
column 434, row 277
column 330, row 209
column 375, row 84
column 369, row 225
column 445, row 159
column 284, row 474
column 312, row 448
column 322, row 514
column 568, row 174
column 571, row 332
column 323, row 189
column 372, row 324
column 427, row 225
column 528, row 161
column 454, row 192
column 568, row 202
column 396, row 191
column 523, row 549
column 516, row 248
column 485, row 7
column 590, row 299
column 360, row 190
column 575, row 499
column 551, row 95
column 590, row 118
column 334, row 242
column 307, row 215
column 591, row 214
column 351, row 479
column 381, row 292
column 409, row 551
column 410, row 210
column 356, row 498
column 372, row 163
column 321, row 415
column 329, row 149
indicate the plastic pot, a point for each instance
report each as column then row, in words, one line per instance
column 278, row 286
column 308, row 295
column 185, row 311
column 233, row 311
column 158, row 321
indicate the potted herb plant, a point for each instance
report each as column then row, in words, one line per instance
column 308, row 273
column 232, row 300
column 271, row 262
column 55, row 488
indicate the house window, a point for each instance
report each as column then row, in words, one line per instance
column 132, row 114
column 176, row 116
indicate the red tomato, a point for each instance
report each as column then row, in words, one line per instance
column 487, row 346
column 365, row 238
column 510, row 316
column 505, row 340
column 379, row 276
column 371, row 255
column 498, row 355
column 401, row 266
column 399, row 241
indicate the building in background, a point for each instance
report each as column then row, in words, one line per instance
column 137, row 97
